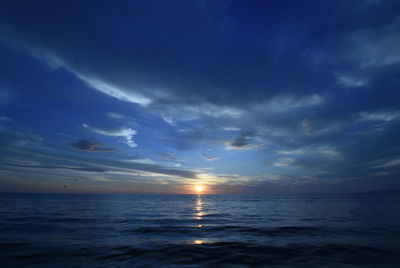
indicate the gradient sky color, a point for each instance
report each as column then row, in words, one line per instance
column 239, row 96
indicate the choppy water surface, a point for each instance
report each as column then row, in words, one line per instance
column 192, row 231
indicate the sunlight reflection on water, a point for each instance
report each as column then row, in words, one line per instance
column 199, row 213
column 199, row 208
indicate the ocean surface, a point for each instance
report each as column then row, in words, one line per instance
column 199, row 231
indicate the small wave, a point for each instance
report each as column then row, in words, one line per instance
column 163, row 230
column 72, row 220
column 215, row 215
column 209, row 230
column 229, row 253
column 32, row 256
column 272, row 231
column 13, row 244
column 25, row 218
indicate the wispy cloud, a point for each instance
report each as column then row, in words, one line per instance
column 326, row 151
column 284, row 162
column 108, row 88
column 173, row 114
column 124, row 132
column 44, row 166
column 391, row 163
column 378, row 46
column 116, row 116
column 114, row 91
column 281, row 104
column 307, row 126
column 352, row 81
column 95, row 164
column 380, row 115
column 5, row 119
column 141, row 161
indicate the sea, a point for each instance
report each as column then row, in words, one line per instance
column 56, row 230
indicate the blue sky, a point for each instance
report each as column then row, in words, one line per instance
column 239, row 96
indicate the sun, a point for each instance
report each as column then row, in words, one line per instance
column 199, row 188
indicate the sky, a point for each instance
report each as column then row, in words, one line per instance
column 263, row 97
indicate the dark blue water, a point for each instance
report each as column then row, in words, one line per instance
column 193, row 231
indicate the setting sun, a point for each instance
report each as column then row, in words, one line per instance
column 199, row 188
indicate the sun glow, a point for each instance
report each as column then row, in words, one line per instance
column 199, row 189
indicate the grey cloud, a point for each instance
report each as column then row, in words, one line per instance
column 281, row 104
column 23, row 139
column 239, row 142
column 362, row 56
column 78, row 163
column 244, row 141
column 85, row 169
column 90, row 146
column 5, row 119
column 168, row 156
column 210, row 158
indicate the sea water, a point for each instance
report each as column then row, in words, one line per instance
column 45, row 230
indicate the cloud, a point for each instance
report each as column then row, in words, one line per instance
column 385, row 116
column 173, row 114
column 239, row 142
column 307, row 126
column 325, row 151
column 108, row 88
column 378, row 46
column 115, row 115
column 6, row 95
column 141, row 161
column 84, row 169
column 124, row 132
column 5, row 119
column 284, row 162
column 114, row 91
column 281, row 104
column 210, row 158
column 391, row 163
column 89, row 146
column 92, row 81
column 168, row 156
column 94, row 164
column 245, row 141
column 352, row 81
column 25, row 139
